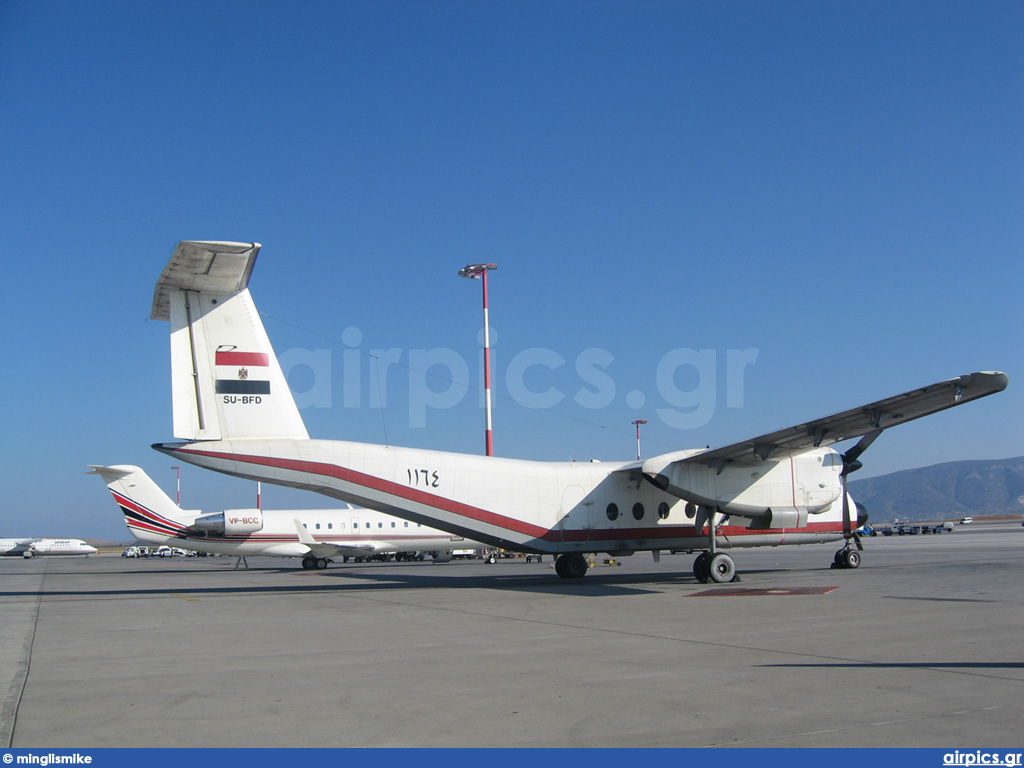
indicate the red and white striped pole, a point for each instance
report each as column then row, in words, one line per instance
column 637, row 424
column 479, row 272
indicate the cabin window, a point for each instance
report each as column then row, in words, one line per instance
column 367, row 525
column 663, row 511
column 612, row 511
column 392, row 525
column 330, row 526
column 318, row 526
column 380, row 525
column 406, row 523
column 638, row 511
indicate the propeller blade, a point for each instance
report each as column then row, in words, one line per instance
column 852, row 464
column 847, row 530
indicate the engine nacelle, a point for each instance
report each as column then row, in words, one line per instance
column 231, row 522
column 788, row 517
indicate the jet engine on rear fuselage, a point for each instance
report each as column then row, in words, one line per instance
column 231, row 522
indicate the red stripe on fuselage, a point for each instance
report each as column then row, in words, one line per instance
column 501, row 521
column 384, row 486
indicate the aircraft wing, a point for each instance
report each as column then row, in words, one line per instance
column 856, row 422
column 328, row 549
column 21, row 545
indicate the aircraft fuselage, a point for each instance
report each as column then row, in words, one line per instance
column 550, row 507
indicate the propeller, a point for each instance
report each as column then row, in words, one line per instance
column 851, row 463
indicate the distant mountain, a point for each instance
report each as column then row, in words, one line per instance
column 944, row 491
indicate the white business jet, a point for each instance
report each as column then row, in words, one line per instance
column 45, row 547
column 233, row 409
column 315, row 535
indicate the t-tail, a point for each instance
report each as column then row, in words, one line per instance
column 149, row 513
column 227, row 383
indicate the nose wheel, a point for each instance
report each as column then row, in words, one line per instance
column 848, row 557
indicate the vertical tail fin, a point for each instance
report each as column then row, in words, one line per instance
column 149, row 513
column 227, row 383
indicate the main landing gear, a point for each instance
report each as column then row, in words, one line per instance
column 571, row 566
column 314, row 563
column 712, row 565
column 716, row 567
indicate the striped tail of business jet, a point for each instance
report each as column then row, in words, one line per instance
column 149, row 513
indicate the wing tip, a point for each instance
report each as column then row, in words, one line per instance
column 988, row 381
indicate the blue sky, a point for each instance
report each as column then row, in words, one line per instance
column 828, row 195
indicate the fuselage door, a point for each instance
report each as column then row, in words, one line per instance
column 575, row 511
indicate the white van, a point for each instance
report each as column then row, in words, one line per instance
column 966, row 521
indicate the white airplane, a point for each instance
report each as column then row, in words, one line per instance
column 12, row 547
column 44, row 547
column 315, row 535
column 233, row 409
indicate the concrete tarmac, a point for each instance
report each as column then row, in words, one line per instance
column 920, row 647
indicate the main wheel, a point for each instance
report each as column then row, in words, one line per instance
column 701, row 572
column 321, row 563
column 722, row 568
column 852, row 558
column 309, row 563
column 576, row 566
column 571, row 566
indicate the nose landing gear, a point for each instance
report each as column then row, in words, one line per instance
column 848, row 557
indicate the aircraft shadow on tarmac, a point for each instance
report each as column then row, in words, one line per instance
column 377, row 579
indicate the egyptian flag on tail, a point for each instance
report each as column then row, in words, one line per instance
column 239, row 373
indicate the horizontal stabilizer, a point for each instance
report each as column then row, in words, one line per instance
column 204, row 267
column 111, row 473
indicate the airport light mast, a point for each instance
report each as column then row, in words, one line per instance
column 479, row 272
column 637, row 424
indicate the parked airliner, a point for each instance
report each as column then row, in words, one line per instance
column 233, row 409
column 45, row 547
column 315, row 535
